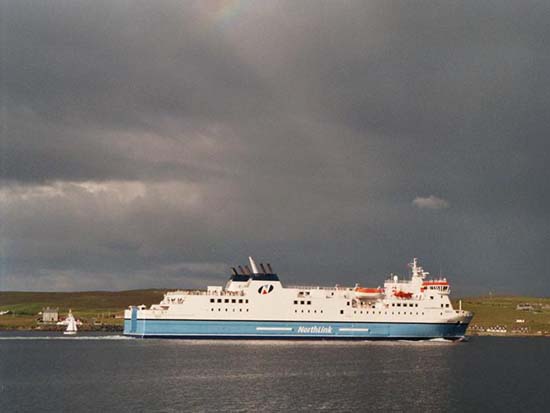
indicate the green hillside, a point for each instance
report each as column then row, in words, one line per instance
column 502, row 311
column 99, row 307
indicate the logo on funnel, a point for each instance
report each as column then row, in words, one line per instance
column 265, row 289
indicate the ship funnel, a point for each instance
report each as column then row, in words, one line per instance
column 241, row 269
column 269, row 268
column 263, row 268
column 234, row 271
column 253, row 265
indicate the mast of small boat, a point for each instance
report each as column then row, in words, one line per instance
column 71, row 324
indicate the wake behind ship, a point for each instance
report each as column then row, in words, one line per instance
column 255, row 305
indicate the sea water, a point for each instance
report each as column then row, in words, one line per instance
column 49, row 372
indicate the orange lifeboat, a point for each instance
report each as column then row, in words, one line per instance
column 368, row 293
column 402, row 294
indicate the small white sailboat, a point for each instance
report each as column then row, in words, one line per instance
column 71, row 324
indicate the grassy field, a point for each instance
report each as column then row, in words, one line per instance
column 90, row 307
column 101, row 307
column 501, row 311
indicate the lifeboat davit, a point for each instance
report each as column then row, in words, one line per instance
column 402, row 294
column 368, row 293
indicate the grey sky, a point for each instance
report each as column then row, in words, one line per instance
column 154, row 144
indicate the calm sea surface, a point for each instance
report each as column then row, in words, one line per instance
column 51, row 373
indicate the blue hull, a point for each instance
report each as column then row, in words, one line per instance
column 290, row 330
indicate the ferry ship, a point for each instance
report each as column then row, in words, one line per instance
column 254, row 304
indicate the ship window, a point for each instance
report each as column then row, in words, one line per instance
column 307, row 293
column 219, row 300
column 233, row 301
column 422, row 313
column 295, row 301
column 246, row 301
column 219, row 309
column 331, row 293
column 226, row 309
column 447, row 305
column 315, row 311
column 240, row 301
column 226, row 300
column 241, row 310
column 441, row 305
column 212, row 300
column 295, row 311
column 431, row 297
column 211, row 309
column 404, row 304
column 399, row 304
column 233, row 310
column 355, row 312
column 308, row 311
column 309, row 303
column 302, row 311
column 302, row 302
column 411, row 313
column 247, row 310
column 416, row 305
column 341, row 311
column 393, row 304
column 321, row 311
column 385, row 312
column 379, row 312
column 392, row 313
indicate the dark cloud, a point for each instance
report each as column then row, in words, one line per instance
column 155, row 143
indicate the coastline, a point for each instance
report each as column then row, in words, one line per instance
column 496, row 316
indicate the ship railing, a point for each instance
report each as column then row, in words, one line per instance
column 205, row 292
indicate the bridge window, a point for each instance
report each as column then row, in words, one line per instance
column 399, row 304
column 302, row 302
column 219, row 300
column 447, row 305
column 240, row 301
column 233, row 301
column 341, row 311
column 309, row 303
column 226, row 300
column 212, row 300
column 246, row 301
